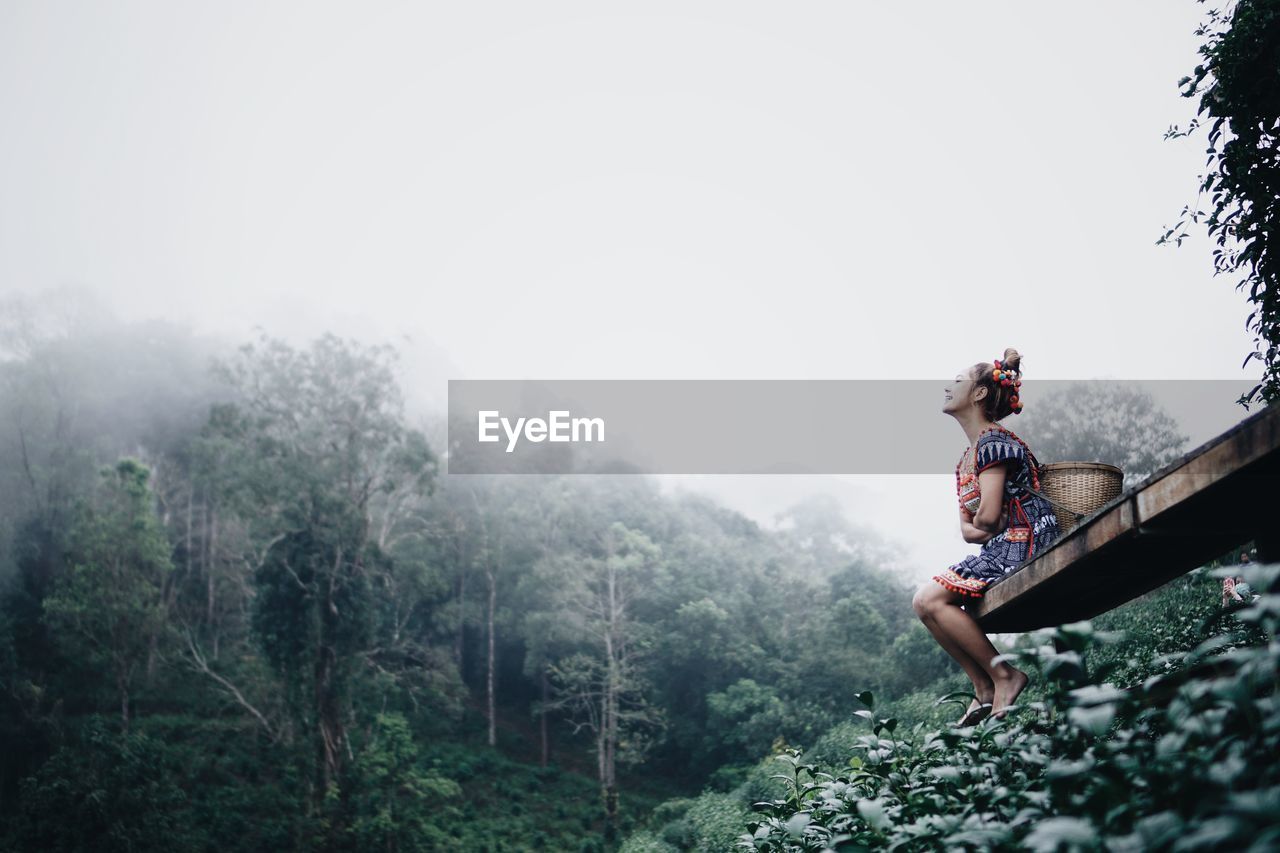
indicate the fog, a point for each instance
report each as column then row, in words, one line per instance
column 565, row 190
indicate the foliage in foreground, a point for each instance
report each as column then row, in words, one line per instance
column 1181, row 761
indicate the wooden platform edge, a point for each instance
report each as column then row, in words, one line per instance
column 1246, row 442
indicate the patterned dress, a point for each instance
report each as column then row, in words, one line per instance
column 1032, row 524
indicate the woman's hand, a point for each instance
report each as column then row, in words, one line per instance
column 975, row 535
column 978, row 536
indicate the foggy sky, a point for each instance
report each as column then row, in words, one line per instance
column 656, row 190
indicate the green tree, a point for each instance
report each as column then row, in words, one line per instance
column 916, row 660
column 324, row 449
column 397, row 804
column 105, row 791
column 604, row 686
column 1118, row 424
column 110, row 603
column 747, row 717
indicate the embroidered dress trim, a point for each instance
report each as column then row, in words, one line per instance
column 970, row 496
column 972, row 587
column 996, row 446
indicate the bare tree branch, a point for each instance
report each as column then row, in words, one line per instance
column 199, row 663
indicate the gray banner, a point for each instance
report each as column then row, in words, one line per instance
column 812, row 426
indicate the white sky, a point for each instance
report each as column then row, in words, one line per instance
column 656, row 190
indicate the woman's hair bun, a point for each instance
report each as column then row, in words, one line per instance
column 1011, row 359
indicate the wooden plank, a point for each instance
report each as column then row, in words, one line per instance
column 1217, row 496
column 1228, row 454
column 1000, row 605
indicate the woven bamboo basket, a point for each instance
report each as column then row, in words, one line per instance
column 1077, row 489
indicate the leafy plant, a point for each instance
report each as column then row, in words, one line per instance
column 1181, row 761
column 1238, row 84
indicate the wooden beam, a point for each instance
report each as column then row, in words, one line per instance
column 1228, row 455
column 1223, row 493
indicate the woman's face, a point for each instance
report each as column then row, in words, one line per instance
column 958, row 396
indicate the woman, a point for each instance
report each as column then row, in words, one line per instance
column 1234, row 588
column 997, row 481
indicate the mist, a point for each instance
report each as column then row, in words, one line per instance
column 564, row 191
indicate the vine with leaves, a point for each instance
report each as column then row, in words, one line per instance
column 1238, row 84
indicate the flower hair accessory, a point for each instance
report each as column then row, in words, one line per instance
column 1008, row 378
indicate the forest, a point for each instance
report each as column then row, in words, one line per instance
column 244, row 608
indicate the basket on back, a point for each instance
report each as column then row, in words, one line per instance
column 1077, row 489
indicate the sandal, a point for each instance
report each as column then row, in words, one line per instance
column 976, row 713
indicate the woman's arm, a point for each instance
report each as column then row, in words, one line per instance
column 991, row 516
column 968, row 531
column 971, row 533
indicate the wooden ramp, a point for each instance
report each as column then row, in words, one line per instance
column 1218, row 496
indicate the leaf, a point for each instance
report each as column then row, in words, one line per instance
column 1094, row 694
column 797, row 823
column 1096, row 720
column 961, row 697
column 946, row 773
column 1050, row 834
column 872, row 811
column 1062, row 769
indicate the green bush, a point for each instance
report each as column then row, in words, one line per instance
column 646, row 842
column 715, row 821
column 1183, row 760
column 106, row 791
column 922, row 706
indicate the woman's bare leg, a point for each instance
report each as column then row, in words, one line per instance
column 956, row 629
column 983, row 687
